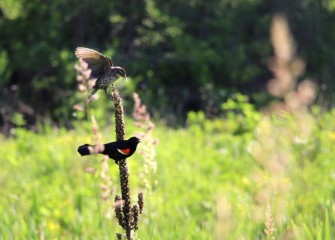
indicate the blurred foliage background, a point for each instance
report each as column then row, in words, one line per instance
column 252, row 89
column 180, row 55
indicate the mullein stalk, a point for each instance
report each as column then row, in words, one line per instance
column 123, row 168
column 127, row 216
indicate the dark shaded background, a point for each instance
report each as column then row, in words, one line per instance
column 180, row 55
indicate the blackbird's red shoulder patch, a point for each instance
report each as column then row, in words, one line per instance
column 124, row 151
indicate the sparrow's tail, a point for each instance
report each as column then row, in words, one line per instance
column 93, row 92
column 83, row 149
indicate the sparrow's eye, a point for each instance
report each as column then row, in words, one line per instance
column 122, row 73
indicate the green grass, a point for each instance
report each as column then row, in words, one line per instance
column 214, row 180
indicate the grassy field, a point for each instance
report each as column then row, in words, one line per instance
column 247, row 176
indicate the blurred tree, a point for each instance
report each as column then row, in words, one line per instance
column 191, row 54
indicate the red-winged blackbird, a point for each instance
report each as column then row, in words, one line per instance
column 102, row 68
column 115, row 150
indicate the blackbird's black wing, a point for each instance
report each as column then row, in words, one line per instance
column 97, row 62
column 117, row 150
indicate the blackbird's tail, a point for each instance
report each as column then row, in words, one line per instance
column 83, row 149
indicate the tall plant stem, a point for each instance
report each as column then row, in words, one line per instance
column 123, row 168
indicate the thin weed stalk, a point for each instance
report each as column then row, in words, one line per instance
column 86, row 83
column 269, row 223
column 148, row 142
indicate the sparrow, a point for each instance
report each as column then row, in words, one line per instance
column 101, row 67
